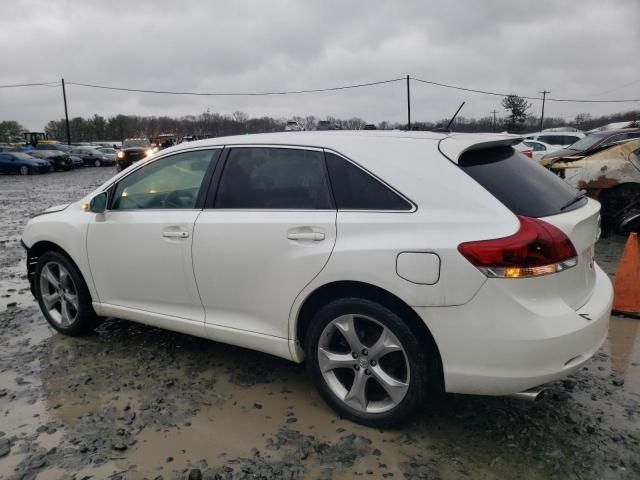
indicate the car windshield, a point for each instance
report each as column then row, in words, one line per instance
column 585, row 143
column 43, row 154
column 142, row 143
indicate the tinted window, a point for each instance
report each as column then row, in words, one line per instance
column 355, row 189
column 171, row 182
column 523, row 186
column 613, row 139
column 274, row 178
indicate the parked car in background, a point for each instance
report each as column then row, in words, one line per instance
column 58, row 160
column 366, row 268
column 539, row 149
column 61, row 147
column 558, row 139
column 5, row 147
column 91, row 156
column 595, row 141
column 610, row 175
column 22, row 163
column 109, row 152
column 524, row 149
column 133, row 149
column 369, row 126
column 293, row 126
column 325, row 125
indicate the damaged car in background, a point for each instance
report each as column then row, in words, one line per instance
column 610, row 175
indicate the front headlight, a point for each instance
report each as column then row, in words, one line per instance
column 120, row 154
column 149, row 151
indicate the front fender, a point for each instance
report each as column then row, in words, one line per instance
column 67, row 230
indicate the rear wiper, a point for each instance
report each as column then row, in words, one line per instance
column 575, row 199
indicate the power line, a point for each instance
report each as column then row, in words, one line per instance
column 46, row 84
column 235, row 94
column 615, row 89
column 498, row 94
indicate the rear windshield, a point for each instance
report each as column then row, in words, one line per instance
column 521, row 184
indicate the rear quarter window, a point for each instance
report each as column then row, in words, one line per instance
column 520, row 184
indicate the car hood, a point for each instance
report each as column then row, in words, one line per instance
column 57, row 208
column 563, row 152
column 135, row 149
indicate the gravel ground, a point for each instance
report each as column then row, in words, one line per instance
column 134, row 402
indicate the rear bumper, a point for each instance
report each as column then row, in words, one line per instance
column 498, row 344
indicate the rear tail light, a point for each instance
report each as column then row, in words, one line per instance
column 537, row 248
column 528, row 153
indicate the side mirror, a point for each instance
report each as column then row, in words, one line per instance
column 98, row 204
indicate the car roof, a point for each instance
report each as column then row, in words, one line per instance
column 609, row 133
column 452, row 145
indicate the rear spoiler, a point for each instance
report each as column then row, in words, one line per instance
column 453, row 146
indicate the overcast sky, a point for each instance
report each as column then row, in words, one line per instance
column 585, row 49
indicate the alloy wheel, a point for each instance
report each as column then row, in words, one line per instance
column 59, row 294
column 363, row 363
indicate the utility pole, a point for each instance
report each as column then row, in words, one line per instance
column 494, row 119
column 408, row 105
column 544, row 97
column 66, row 113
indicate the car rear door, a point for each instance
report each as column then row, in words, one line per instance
column 140, row 249
column 269, row 229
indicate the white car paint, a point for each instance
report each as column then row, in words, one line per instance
column 539, row 149
column 237, row 277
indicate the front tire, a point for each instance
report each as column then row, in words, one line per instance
column 98, row 163
column 367, row 363
column 63, row 295
column 24, row 170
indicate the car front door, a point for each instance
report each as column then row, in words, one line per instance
column 5, row 162
column 267, row 232
column 140, row 248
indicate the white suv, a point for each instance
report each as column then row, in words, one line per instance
column 393, row 262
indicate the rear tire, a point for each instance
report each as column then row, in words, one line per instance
column 63, row 295
column 367, row 363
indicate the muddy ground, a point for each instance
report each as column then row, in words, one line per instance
column 135, row 402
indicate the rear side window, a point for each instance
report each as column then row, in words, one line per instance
column 523, row 186
column 355, row 189
column 274, row 178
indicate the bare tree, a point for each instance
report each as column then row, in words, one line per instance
column 240, row 117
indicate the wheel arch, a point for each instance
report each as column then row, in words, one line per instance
column 37, row 250
column 356, row 289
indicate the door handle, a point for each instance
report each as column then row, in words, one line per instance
column 175, row 234
column 314, row 236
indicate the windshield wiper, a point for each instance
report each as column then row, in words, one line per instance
column 575, row 199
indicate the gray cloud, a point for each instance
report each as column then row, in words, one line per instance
column 574, row 49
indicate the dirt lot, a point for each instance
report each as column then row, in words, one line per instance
column 133, row 402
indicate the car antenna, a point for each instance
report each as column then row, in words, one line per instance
column 447, row 129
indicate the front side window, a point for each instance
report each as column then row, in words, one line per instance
column 274, row 178
column 168, row 183
column 355, row 189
